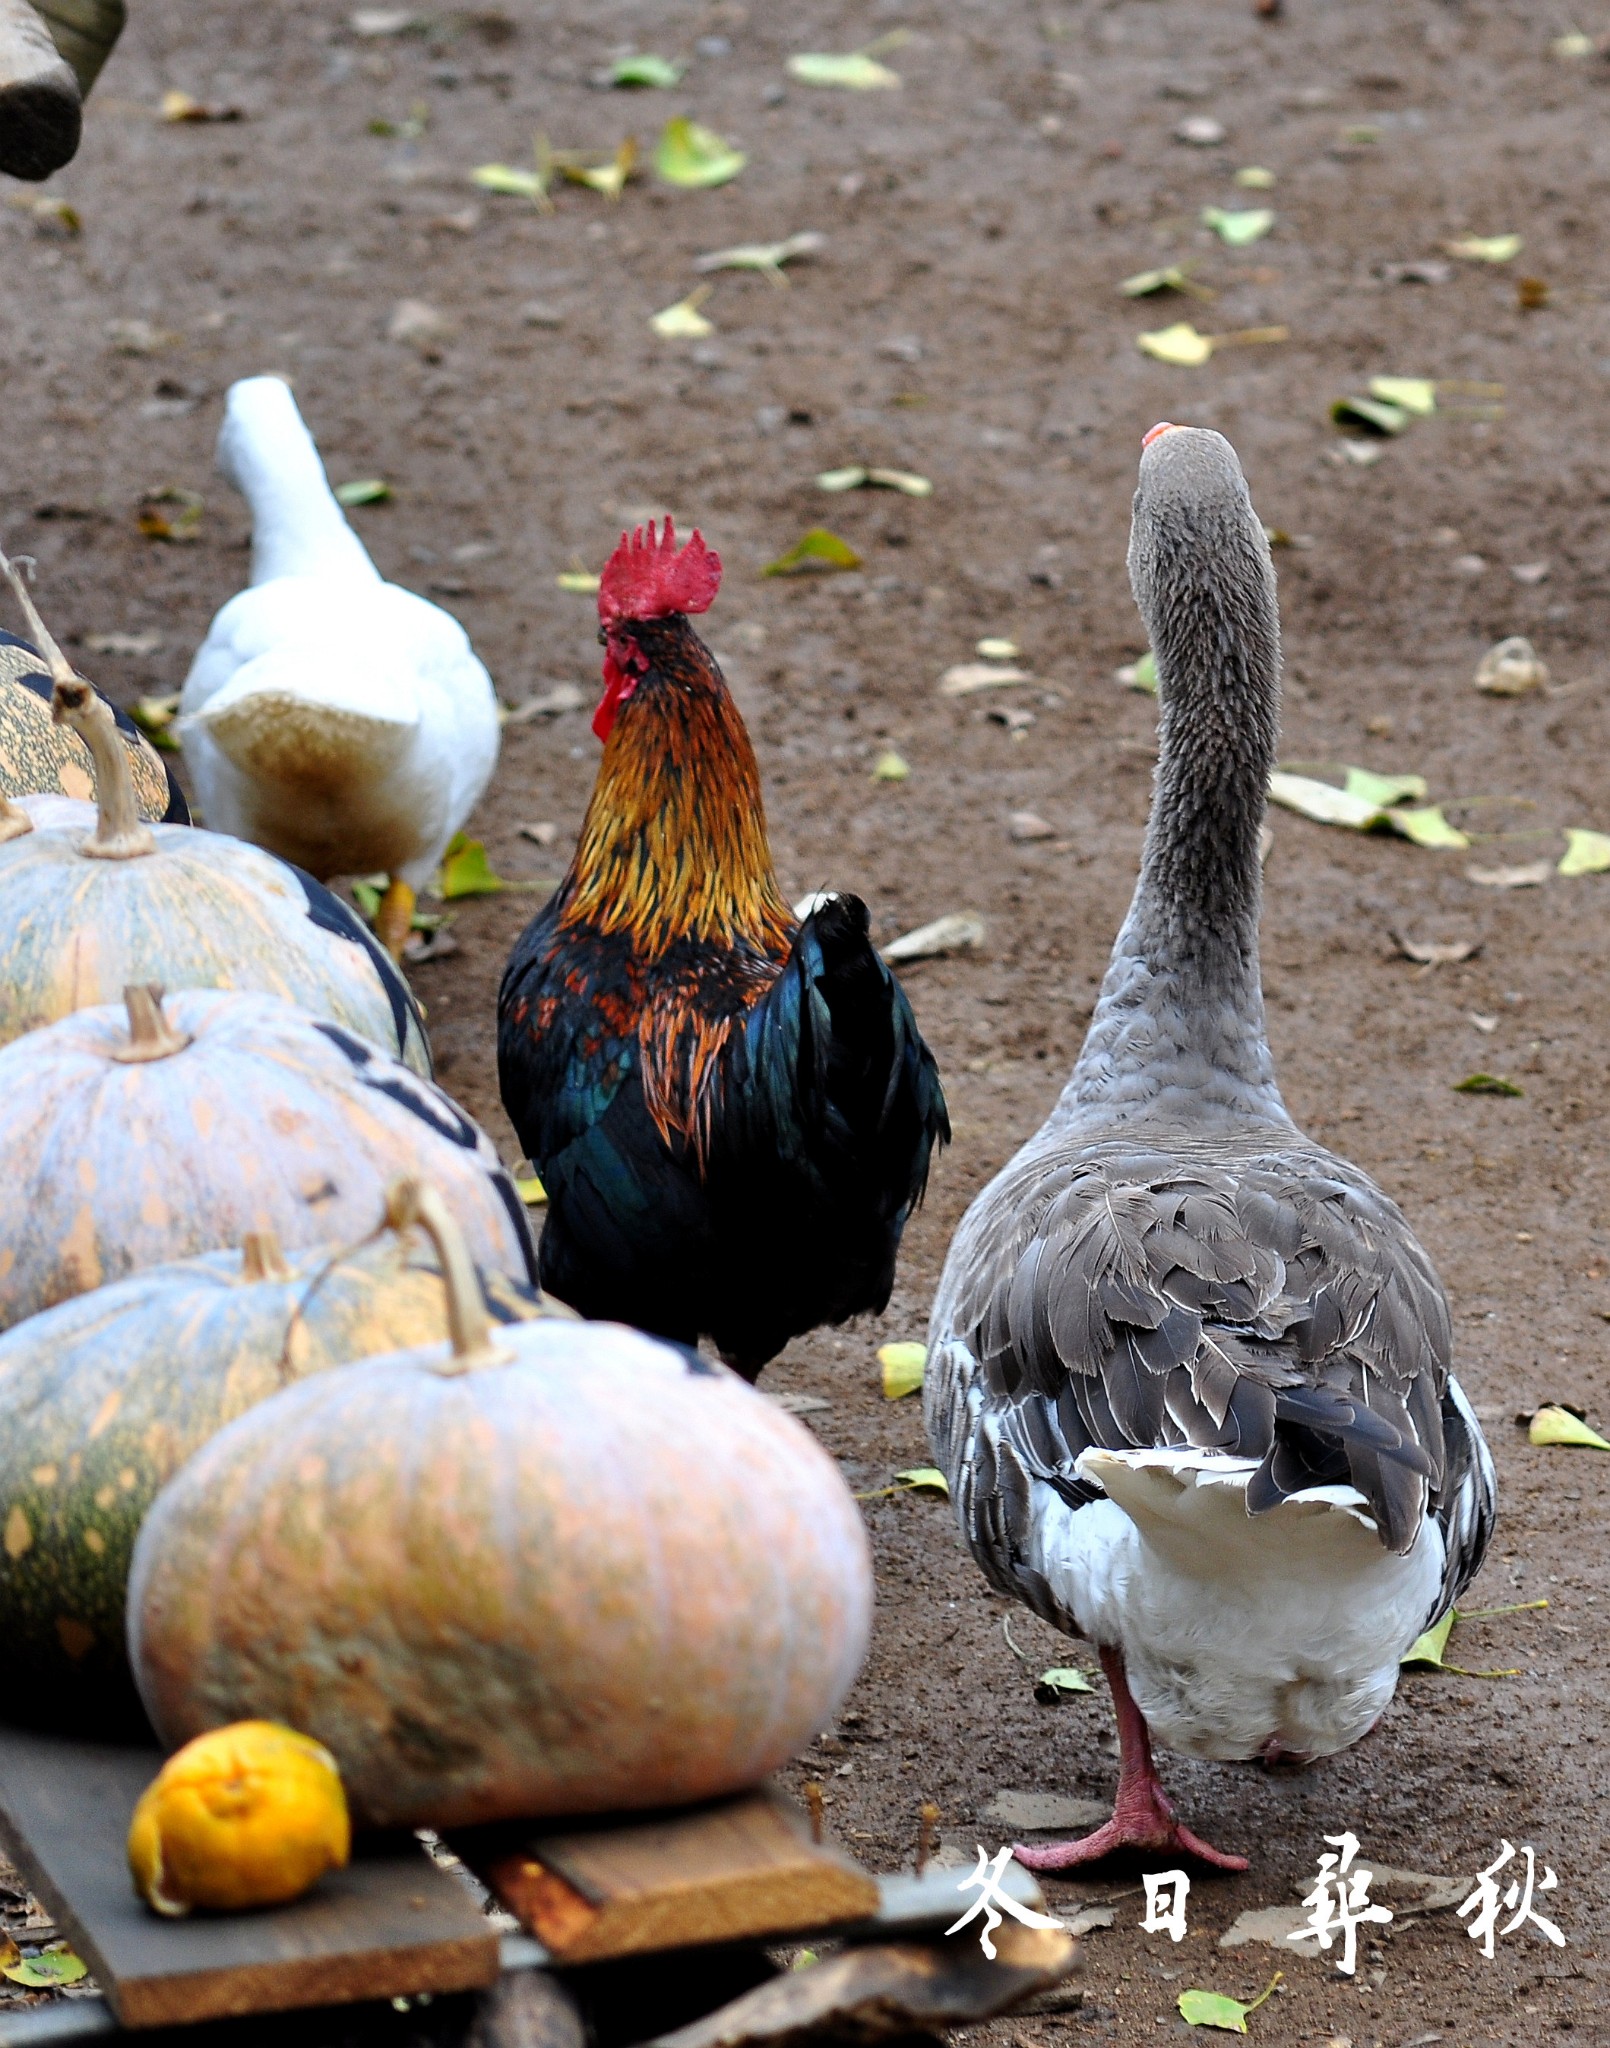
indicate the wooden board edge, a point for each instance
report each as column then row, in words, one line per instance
column 546, row 1904
column 750, row 1907
column 469, row 1963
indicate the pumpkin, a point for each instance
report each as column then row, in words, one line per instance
column 104, row 1397
column 39, row 757
column 560, row 1568
column 137, row 1134
column 51, row 811
column 84, row 916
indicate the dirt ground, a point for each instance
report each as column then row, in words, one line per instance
column 963, row 321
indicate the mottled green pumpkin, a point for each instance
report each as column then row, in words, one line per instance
column 553, row 1568
column 200, row 911
column 83, row 915
column 134, row 1135
column 38, row 757
column 103, row 1398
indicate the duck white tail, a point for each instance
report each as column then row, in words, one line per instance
column 1243, row 1635
column 281, row 736
column 265, row 451
column 294, row 753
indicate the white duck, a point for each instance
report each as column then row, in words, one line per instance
column 1188, row 1370
column 341, row 722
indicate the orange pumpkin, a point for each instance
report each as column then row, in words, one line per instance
column 556, row 1568
column 134, row 1135
column 82, row 917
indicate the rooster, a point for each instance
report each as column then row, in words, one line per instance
column 731, row 1110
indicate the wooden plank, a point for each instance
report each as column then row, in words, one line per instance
column 389, row 1924
column 739, row 1869
column 88, row 2017
column 909, row 1904
column 64, row 2020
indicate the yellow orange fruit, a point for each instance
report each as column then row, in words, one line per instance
column 248, row 1815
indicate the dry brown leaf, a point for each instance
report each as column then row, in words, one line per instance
column 1510, row 669
column 1027, row 825
column 802, row 1404
column 179, row 106
column 1434, row 953
column 958, row 933
column 549, row 703
column 139, row 337
column 419, row 325
column 1532, row 876
column 969, row 677
column 423, row 949
column 52, row 215
column 171, row 513
column 132, row 646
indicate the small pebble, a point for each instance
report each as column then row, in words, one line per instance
column 1027, row 825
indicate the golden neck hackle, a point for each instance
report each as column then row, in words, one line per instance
column 673, row 845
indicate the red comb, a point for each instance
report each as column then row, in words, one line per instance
column 1156, row 433
column 648, row 576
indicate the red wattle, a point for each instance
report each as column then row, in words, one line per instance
column 618, row 686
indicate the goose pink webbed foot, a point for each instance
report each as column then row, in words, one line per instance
column 1143, row 1821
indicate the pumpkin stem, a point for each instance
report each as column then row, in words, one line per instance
column 468, row 1324
column 120, row 832
column 261, row 1257
column 151, row 1036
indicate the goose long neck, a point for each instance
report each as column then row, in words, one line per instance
column 1179, row 1025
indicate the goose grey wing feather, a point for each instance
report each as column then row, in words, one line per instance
column 1277, row 1307
column 1466, row 1506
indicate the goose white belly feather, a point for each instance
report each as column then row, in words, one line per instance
column 1238, row 1631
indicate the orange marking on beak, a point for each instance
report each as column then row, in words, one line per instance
column 1162, row 427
